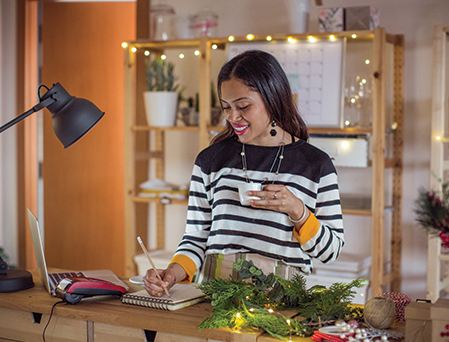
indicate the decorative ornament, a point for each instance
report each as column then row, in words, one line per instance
column 400, row 301
column 432, row 210
column 273, row 131
column 380, row 312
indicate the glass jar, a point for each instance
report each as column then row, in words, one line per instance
column 162, row 22
column 206, row 23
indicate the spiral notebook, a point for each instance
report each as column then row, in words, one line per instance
column 181, row 296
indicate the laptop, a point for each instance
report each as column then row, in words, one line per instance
column 51, row 280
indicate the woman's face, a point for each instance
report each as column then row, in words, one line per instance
column 245, row 111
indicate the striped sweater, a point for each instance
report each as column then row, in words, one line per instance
column 218, row 223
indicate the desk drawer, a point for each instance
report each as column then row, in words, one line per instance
column 20, row 326
column 114, row 333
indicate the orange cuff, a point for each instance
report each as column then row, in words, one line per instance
column 187, row 264
column 308, row 230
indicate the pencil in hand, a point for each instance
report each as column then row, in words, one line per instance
column 151, row 262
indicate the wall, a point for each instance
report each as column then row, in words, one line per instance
column 8, row 179
column 413, row 18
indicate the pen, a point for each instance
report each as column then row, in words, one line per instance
column 151, row 262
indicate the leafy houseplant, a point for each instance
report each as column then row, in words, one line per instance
column 161, row 97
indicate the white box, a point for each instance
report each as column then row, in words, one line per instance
column 344, row 151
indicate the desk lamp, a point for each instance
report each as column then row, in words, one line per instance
column 72, row 118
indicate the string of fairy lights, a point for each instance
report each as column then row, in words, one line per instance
column 248, row 37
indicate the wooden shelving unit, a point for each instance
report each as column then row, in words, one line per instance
column 375, row 206
column 439, row 162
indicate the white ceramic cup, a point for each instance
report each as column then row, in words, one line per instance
column 243, row 192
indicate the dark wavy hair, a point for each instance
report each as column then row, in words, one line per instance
column 262, row 73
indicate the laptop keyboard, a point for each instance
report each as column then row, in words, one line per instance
column 55, row 278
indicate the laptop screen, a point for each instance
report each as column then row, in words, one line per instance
column 38, row 249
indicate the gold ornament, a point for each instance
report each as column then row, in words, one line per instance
column 380, row 312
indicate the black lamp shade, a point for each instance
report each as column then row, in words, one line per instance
column 72, row 116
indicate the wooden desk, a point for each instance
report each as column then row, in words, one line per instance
column 24, row 314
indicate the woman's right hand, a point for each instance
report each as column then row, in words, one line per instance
column 170, row 276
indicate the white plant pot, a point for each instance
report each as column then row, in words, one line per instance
column 161, row 107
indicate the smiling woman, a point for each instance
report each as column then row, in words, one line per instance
column 293, row 218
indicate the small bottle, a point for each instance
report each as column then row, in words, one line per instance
column 193, row 114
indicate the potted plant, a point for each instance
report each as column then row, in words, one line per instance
column 161, row 97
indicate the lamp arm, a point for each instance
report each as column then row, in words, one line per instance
column 48, row 101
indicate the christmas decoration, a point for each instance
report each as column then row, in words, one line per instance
column 380, row 312
column 432, row 210
column 400, row 301
column 260, row 301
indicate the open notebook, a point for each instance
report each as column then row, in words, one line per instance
column 51, row 280
column 181, row 296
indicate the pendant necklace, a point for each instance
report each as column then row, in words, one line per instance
column 279, row 156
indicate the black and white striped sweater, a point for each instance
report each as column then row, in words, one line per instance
column 218, row 223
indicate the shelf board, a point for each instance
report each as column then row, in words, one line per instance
column 138, row 199
column 358, row 205
column 161, row 45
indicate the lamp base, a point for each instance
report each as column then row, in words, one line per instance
column 16, row 280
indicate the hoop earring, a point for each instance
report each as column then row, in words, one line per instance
column 273, row 132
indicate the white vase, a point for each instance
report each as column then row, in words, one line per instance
column 161, row 107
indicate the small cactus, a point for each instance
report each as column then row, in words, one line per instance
column 160, row 75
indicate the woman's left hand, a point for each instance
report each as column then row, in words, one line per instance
column 278, row 198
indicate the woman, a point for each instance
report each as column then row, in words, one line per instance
column 298, row 216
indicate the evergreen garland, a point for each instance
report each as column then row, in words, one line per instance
column 256, row 301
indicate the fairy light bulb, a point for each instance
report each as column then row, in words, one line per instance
column 311, row 39
column 269, row 38
column 354, row 36
column 291, row 40
column 133, row 49
column 163, row 57
column 124, row 45
column 332, row 37
column 197, row 52
column 367, row 61
column 250, row 36
column 214, row 46
column 438, row 138
column 181, row 56
column 270, row 311
column 231, row 38
column 147, row 53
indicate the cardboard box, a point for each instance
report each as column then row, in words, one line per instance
column 427, row 322
column 361, row 18
column 331, row 20
column 439, row 314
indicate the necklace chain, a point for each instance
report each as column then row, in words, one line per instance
column 280, row 154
